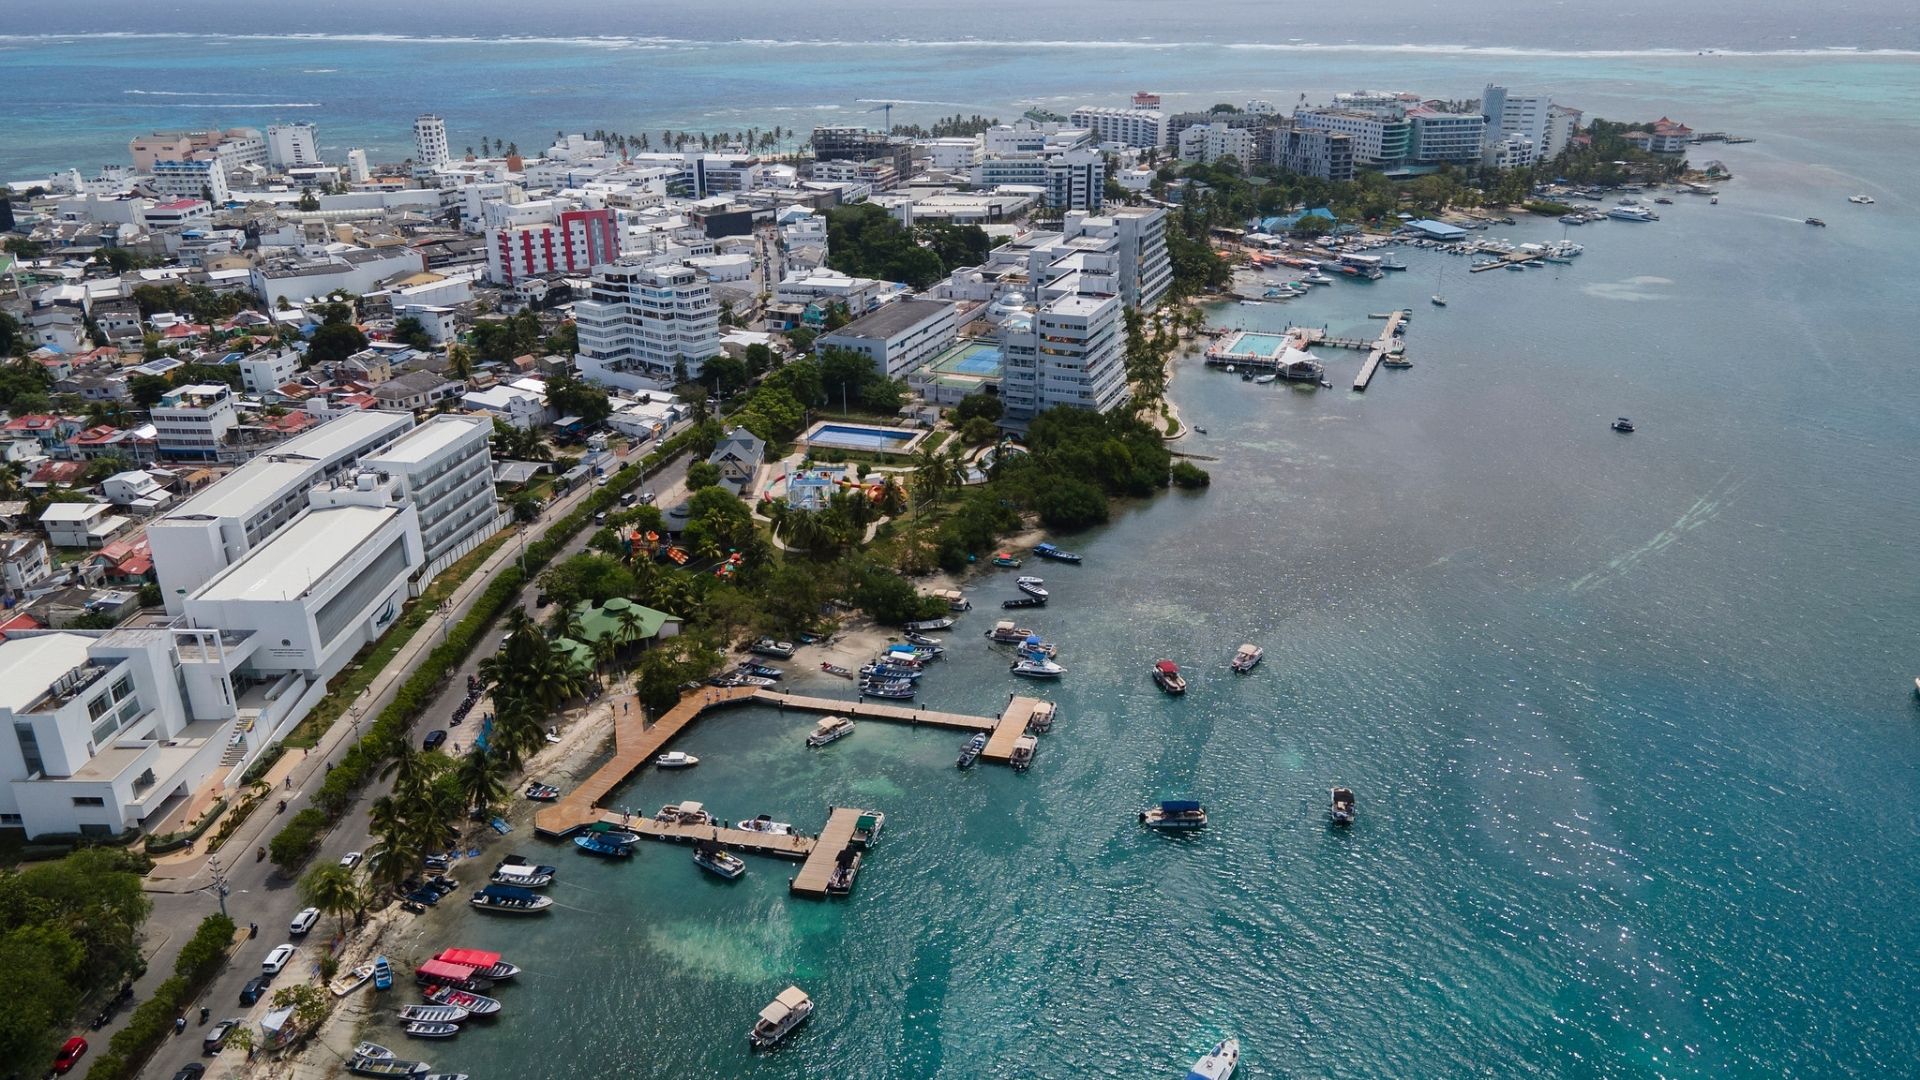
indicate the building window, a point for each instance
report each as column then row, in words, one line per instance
column 97, row 707
column 122, row 687
column 89, row 800
column 10, row 819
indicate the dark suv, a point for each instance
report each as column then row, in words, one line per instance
column 255, row 987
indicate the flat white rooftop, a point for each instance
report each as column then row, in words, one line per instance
column 304, row 552
column 430, row 438
column 29, row 665
column 258, row 482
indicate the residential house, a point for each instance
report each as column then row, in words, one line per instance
column 738, row 457
column 135, row 490
column 81, row 525
column 24, row 563
column 417, row 391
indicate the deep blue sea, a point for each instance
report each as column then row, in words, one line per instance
column 1631, row 718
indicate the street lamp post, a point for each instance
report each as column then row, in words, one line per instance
column 219, row 882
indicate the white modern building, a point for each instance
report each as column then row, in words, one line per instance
column 1140, row 128
column 193, row 421
column 191, row 180
column 357, row 170
column 445, row 470
column 1509, row 151
column 952, row 154
column 646, row 326
column 899, row 336
column 1076, row 180
column 1378, row 138
column 292, row 145
column 1547, row 126
column 430, row 142
column 265, row 371
column 82, row 525
column 1207, row 143
column 521, row 403
column 1069, row 353
column 1445, row 137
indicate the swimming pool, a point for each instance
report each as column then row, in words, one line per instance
column 844, row 436
column 1259, row 344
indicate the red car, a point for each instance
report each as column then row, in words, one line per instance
column 75, row 1049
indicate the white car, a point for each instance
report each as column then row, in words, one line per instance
column 350, row 860
column 304, row 921
column 276, row 960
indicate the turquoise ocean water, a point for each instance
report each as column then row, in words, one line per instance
column 1630, row 717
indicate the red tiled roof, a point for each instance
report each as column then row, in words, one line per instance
column 22, row 621
column 33, row 422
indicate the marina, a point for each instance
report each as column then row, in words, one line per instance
column 1388, row 344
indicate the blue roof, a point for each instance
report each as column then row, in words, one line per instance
column 1288, row 221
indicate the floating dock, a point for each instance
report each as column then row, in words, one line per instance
column 834, row 839
column 1504, row 263
column 1381, row 348
column 787, row 846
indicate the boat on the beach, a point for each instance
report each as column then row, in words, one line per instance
column 1022, row 753
column 1024, row 602
column 1048, row 551
column 836, row 669
column 1622, row 424
column 1032, row 586
column 726, row 682
column 1166, row 675
column 718, row 861
column 780, row 1017
column 1031, row 668
column 510, row 900
column 1246, row 658
column 481, row 961
column 762, row 671
column 1005, row 558
column 832, row 729
column 764, row 823
column 970, row 752
column 956, row 600
column 1218, row 1063
column 348, row 981
column 766, row 646
column 476, row 1004
column 924, row 625
column 675, row 759
column 371, row 1050
column 516, row 870
column 434, row 1014
column 539, row 792
column 593, row 844
column 1008, row 634
column 1175, row 814
column 427, row 1029
column 1340, row 806
column 382, row 974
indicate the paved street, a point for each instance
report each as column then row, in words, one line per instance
column 257, row 893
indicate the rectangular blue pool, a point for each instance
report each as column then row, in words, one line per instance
column 844, row 436
column 1260, row 344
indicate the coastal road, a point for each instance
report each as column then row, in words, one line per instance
column 260, row 895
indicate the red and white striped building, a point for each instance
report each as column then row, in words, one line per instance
column 579, row 241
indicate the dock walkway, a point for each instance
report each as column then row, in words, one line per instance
column 1381, row 349
column 834, row 839
column 779, row 845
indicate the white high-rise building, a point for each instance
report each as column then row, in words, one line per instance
column 1077, row 180
column 291, row 145
column 430, row 141
column 191, row 180
column 1134, row 127
column 1547, row 126
column 1207, row 143
column 1070, row 353
column 357, row 170
column 644, row 321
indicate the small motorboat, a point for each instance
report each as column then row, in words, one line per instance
column 1006, row 633
column 675, row 759
column 779, row 650
column 1005, row 558
column 1438, row 300
column 1032, row 586
column 509, row 900
column 922, row 639
column 1166, row 675
column 516, row 870
column 434, row 1014
column 900, row 690
column 1265, row 379
column 348, row 981
column 780, row 1017
column 1037, row 669
column 765, row 824
column 387, row 1066
column 1021, row 756
column 718, row 861
column 1175, row 814
column 1200, row 429
column 613, row 834
column 832, row 729
column 539, row 792
column 473, row 1003
column 1048, row 551
column 1664, row 201
column 1019, row 602
column 592, row 844
column 382, row 974
column 762, row 671
column 371, row 1051
column 1816, row 221
column 924, row 625
column 1246, row 658
column 970, row 752
column 1622, row 424
column 1340, row 806
column 424, row 1029
column 1217, row 1063
column 836, row 669
column 1860, row 200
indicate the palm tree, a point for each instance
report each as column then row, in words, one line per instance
column 412, row 770
column 482, row 780
column 332, row 888
column 630, row 623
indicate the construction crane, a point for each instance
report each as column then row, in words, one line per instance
column 885, row 107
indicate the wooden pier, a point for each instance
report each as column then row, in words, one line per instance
column 1510, row 260
column 1012, row 725
column 1311, row 336
column 834, row 839
column 780, row 846
column 1380, row 350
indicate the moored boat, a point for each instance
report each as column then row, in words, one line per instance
column 427, row 1029
column 447, row 973
column 539, row 792
column 1031, row 668
column 675, row 759
column 1622, row 424
column 832, row 729
column 1008, row 634
column 787, row 1011
column 371, row 1050
column 382, row 974
column 593, row 844
column 780, row 650
column 387, row 1066
column 1021, row 756
column 762, row 671
column 866, row 829
column 970, row 752
column 516, row 870
column 836, row 669
column 1166, row 675
column 922, row 639
column 434, row 1014
column 1004, row 558
column 613, row 834
column 475, row 1004
column 685, row 813
column 511, row 900
column 718, row 861
column 1175, row 814
column 880, row 672
column 1218, row 1063
column 348, row 981
column 1024, row 602
column 765, row 824
column 1048, row 551
column 901, row 690
column 1032, row 586
column 924, row 625
column 1041, row 721
column 1340, row 806
column 1246, row 658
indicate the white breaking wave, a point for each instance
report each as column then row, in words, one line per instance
column 199, row 105
column 182, row 93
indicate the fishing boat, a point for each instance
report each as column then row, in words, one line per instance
column 382, row 974
column 832, row 729
column 539, row 792
column 1175, row 814
column 1246, row 658
column 1024, row 602
column 1006, row 558
column 516, row 870
column 387, row 1066
column 780, row 1017
column 970, row 752
column 476, row 1004
column 591, row 844
column 1041, row 721
column 765, row 824
column 924, row 625
column 762, row 671
column 348, row 981
column 1048, row 551
column 1007, row 634
column 1021, row 756
column 836, row 669
column 898, row 690
column 923, row 640
column 907, row 656
column 446, row 973
column 613, row 834
column 883, row 672
column 1166, row 675
column 1340, row 806
column 434, row 1014
column 1031, row 668
column 371, row 1051
column 426, row 1029
column 675, row 759
column 1032, row 586
column 510, row 900
column 718, row 861
column 1218, row 1063
column 1622, row 424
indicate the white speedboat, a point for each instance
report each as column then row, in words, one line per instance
column 832, row 729
column 765, row 824
column 1032, row 586
column 1247, row 658
column 1218, row 1063
column 1037, row 669
column 1860, row 200
column 718, row 861
column 675, row 759
column 780, row 1017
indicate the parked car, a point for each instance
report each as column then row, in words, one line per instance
column 216, row 1039
column 73, row 1051
column 647, row 498
column 434, row 739
column 255, row 987
column 304, row 921
column 352, row 858
column 192, row 1070
column 277, row 960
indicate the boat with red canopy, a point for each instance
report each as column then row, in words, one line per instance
column 488, row 964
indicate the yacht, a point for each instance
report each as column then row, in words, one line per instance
column 829, row 730
column 1167, row 675
column 718, row 861
column 1317, row 278
column 779, row 650
column 780, row 1017
column 1246, row 658
column 1175, row 814
column 971, row 751
column 675, row 759
column 1340, row 806
column 1218, row 1063
column 1037, row 669
column 1632, row 213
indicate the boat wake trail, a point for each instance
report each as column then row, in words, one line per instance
column 1704, row 510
